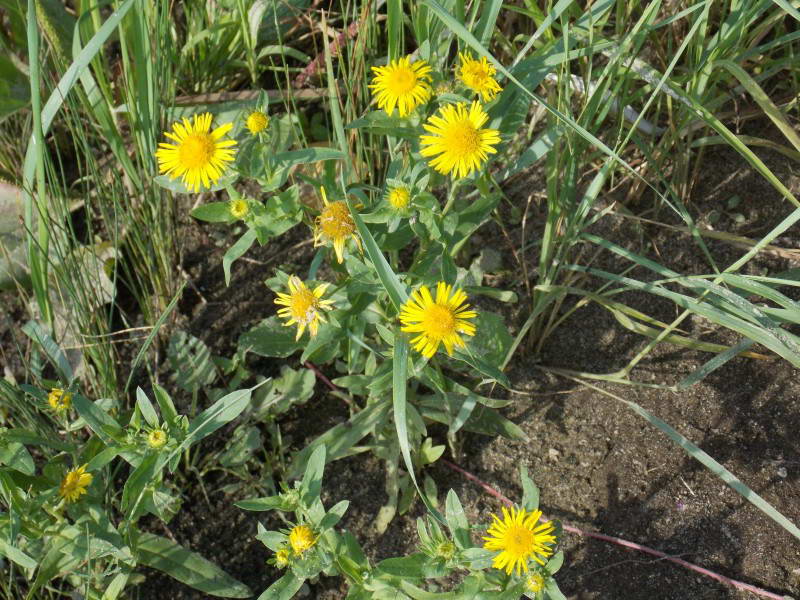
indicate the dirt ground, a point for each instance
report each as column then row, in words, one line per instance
column 599, row 466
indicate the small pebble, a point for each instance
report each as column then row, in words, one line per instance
column 782, row 473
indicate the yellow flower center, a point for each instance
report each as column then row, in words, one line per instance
column 476, row 74
column 196, row 150
column 401, row 81
column 519, row 540
column 304, row 305
column 462, row 138
column 156, row 438
column 438, row 321
column 336, row 222
column 399, row 197
column 535, row 583
column 238, row 208
column 59, row 400
column 257, row 122
column 282, row 558
column 301, row 538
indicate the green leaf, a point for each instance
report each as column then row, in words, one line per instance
column 134, row 490
column 457, row 521
column 407, row 567
column 168, row 412
column 188, row 567
column 37, row 333
column 146, row 408
column 311, row 486
column 223, row 411
column 530, row 493
column 260, row 504
column 15, row 90
column 270, row 338
column 334, row 515
column 214, row 212
column 236, row 251
column 283, row 589
column 98, row 420
column 16, row 456
column 190, row 359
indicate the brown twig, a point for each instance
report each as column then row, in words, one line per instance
column 321, row 376
column 621, row 542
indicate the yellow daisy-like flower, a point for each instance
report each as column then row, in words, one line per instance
column 438, row 321
column 459, row 139
column 301, row 539
column 403, row 84
column 535, row 583
column 303, row 307
column 519, row 537
column 239, row 208
column 198, row 154
column 59, row 400
column 478, row 75
column 256, row 122
column 335, row 224
column 283, row 557
column 74, row 484
column 157, row 438
column 399, row 197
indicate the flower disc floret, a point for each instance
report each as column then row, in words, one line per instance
column 437, row 321
column 535, row 583
column 283, row 557
column 459, row 144
column 198, row 155
column 399, row 197
column 59, row 400
column 256, row 122
column 403, row 84
column 239, row 208
column 519, row 537
column 74, row 484
column 301, row 539
column 157, row 438
column 478, row 75
column 303, row 307
column 335, row 225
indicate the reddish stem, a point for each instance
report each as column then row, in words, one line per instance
column 615, row 540
column 320, row 375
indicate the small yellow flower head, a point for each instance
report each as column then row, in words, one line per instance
column 198, row 155
column 239, row 208
column 519, row 537
column 459, row 139
column 401, row 84
column 257, row 122
column 535, row 583
column 445, row 550
column 399, row 197
column 301, row 538
column 282, row 558
column 335, row 224
column 303, row 307
column 439, row 321
column 74, row 484
column 157, row 438
column 59, row 400
column 478, row 75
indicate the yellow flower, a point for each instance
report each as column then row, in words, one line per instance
column 438, row 321
column 335, row 224
column 239, row 208
column 478, row 75
column 282, row 558
column 399, row 197
column 157, row 438
column 401, row 84
column 301, row 538
column 535, row 583
column 59, row 400
column 303, row 306
column 198, row 154
column 460, row 140
column 256, row 122
column 519, row 537
column 74, row 484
